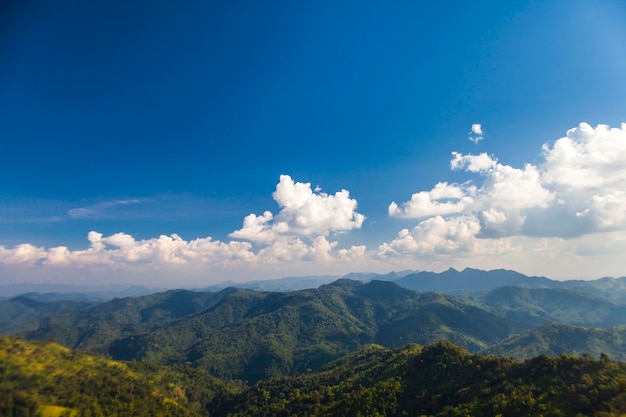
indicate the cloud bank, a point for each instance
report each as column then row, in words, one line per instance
column 565, row 213
column 297, row 234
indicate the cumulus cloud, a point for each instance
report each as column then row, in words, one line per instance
column 296, row 236
column 587, row 158
column 438, row 235
column 476, row 133
column 304, row 212
column 565, row 211
column 443, row 199
column 578, row 189
column 472, row 163
column 124, row 248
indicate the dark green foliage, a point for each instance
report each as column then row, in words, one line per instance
column 38, row 379
column 439, row 380
column 540, row 305
column 96, row 327
column 555, row 339
column 251, row 336
column 22, row 313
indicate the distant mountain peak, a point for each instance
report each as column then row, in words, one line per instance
column 344, row 282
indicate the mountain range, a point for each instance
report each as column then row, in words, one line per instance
column 363, row 343
column 441, row 379
column 251, row 335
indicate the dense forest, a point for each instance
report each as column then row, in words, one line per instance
column 252, row 335
column 46, row 379
column 533, row 346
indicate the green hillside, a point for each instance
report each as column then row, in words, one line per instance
column 557, row 338
column 49, row 380
column 22, row 314
column 547, row 304
column 94, row 328
column 251, row 336
column 439, row 380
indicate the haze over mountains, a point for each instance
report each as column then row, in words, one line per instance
column 450, row 281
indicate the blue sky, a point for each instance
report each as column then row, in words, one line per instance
column 137, row 137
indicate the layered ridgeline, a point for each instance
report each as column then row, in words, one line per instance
column 471, row 281
column 46, row 379
column 252, row 335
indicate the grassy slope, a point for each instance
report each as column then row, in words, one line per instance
column 48, row 379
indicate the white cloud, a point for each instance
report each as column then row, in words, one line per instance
column 353, row 253
column 441, row 200
column 499, row 203
column 436, row 235
column 587, row 158
column 293, row 239
column 472, row 163
column 476, row 134
column 578, row 189
column 562, row 216
column 22, row 254
column 304, row 212
column 258, row 228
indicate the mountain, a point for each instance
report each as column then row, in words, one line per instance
column 306, row 282
column 470, row 281
column 95, row 327
column 46, row 379
column 252, row 335
column 539, row 305
column 438, row 380
column 280, row 284
column 370, row 276
column 23, row 313
column 557, row 339
column 76, row 292
column 610, row 288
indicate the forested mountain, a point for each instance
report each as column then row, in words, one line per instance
column 252, row 335
column 95, row 327
column 439, row 380
column 558, row 338
column 540, row 305
column 46, row 379
column 471, row 281
column 24, row 313
column 84, row 292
